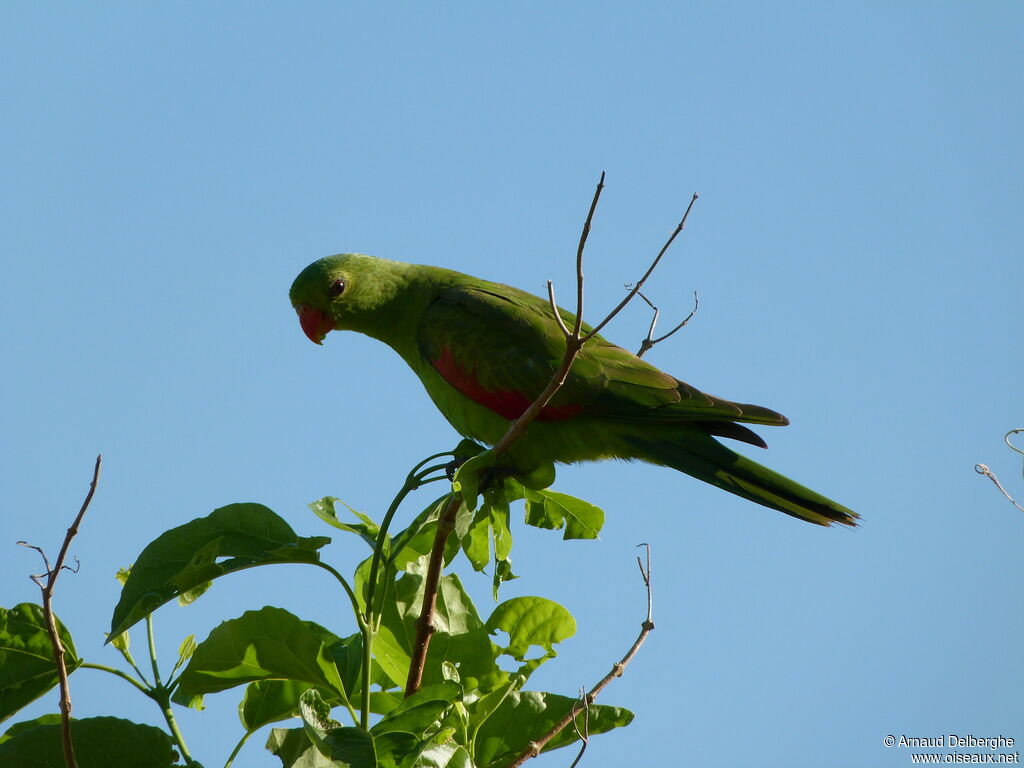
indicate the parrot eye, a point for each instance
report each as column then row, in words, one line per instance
column 337, row 288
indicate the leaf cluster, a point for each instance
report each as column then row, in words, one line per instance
column 342, row 689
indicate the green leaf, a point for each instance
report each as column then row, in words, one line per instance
column 502, row 573
column 347, row 654
column 325, row 509
column 122, row 643
column 470, row 475
column 347, row 747
column 27, row 668
column 420, row 712
column 295, row 750
column 525, row 716
column 552, row 510
column 532, row 621
column 267, row 644
column 100, row 742
column 183, row 560
column 447, row 755
column 398, row 749
column 28, row 725
column 501, row 535
column 476, row 543
column 269, row 701
column 185, row 651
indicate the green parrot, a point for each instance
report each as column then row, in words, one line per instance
column 484, row 351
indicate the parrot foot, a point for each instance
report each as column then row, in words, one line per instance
column 452, row 467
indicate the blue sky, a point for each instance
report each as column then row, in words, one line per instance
column 169, row 168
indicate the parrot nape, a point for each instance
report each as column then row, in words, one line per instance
column 485, row 350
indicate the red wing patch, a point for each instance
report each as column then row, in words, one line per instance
column 507, row 403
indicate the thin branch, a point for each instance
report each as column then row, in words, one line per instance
column 640, row 283
column 584, row 735
column 1006, row 439
column 554, row 311
column 51, row 621
column 649, row 342
column 617, row 670
column 425, row 624
column 981, row 469
column 579, row 257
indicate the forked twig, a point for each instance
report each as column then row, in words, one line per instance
column 650, row 341
column 584, row 735
column 617, row 670
column 47, row 587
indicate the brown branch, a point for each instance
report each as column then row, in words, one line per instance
column 617, row 669
column 425, row 623
column 47, row 589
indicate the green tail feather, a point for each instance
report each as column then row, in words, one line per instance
column 706, row 459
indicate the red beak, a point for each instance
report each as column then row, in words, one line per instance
column 315, row 324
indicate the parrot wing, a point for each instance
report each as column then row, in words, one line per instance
column 500, row 348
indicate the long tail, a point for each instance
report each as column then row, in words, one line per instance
column 703, row 457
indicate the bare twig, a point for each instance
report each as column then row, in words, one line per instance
column 579, row 256
column 982, row 469
column 584, row 735
column 47, row 588
column 650, row 341
column 617, row 669
column 640, row 283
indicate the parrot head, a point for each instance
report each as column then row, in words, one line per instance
column 342, row 293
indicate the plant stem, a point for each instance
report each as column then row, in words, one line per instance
column 237, row 749
column 152, row 650
column 348, row 589
column 123, row 675
column 162, row 696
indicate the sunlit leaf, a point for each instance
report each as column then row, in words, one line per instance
column 348, row 747
column 28, row 725
column 295, row 750
column 524, row 716
column 100, row 742
column 326, row 510
column 267, row 644
column 27, row 668
column 183, row 560
column 549, row 509
column 419, row 712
